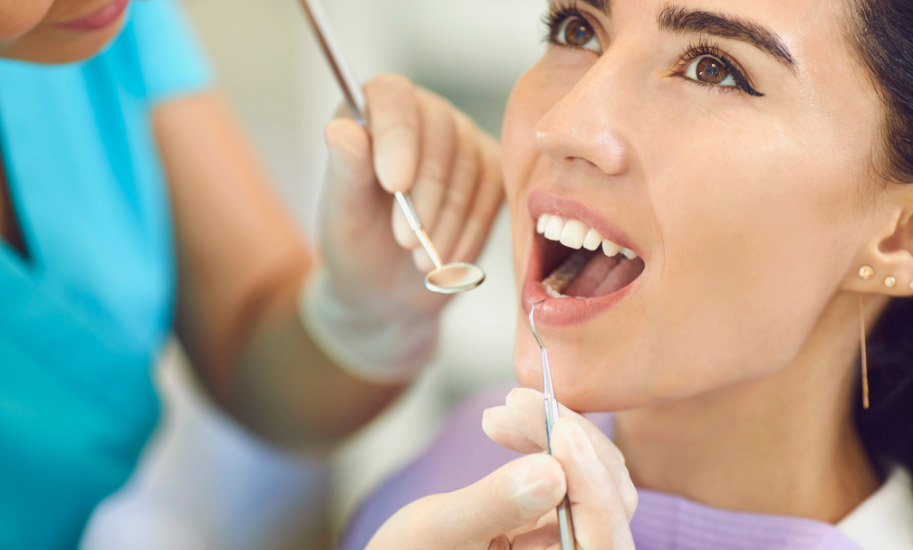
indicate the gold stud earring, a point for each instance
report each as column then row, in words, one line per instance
column 863, row 355
column 866, row 272
column 890, row 281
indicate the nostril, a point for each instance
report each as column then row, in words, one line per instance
column 584, row 142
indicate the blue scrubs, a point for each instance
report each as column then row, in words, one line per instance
column 83, row 318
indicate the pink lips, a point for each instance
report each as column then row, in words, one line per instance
column 566, row 311
column 99, row 19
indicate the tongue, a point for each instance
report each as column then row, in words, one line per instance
column 602, row 276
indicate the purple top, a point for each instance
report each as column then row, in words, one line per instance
column 463, row 454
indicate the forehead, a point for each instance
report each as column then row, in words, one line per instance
column 794, row 20
column 816, row 34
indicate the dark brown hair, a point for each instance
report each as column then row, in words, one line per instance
column 884, row 34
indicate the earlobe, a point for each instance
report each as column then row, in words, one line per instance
column 886, row 263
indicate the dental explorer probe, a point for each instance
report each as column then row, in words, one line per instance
column 565, row 521
column 452, row 278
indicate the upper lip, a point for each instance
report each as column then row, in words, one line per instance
column 546, row 202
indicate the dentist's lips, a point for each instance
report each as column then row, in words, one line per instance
column 546, row 254
column 99, row 19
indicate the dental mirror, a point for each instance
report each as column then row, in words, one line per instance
column 454, row 278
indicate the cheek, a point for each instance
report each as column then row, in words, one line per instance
column 533, row 96
column 18, row 17
column 517, row 159
column 518, row 134
column 762, row 235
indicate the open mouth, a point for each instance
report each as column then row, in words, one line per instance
column 579, row 262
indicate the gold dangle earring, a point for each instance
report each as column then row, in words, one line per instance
column 863, row 355
column 866, row 273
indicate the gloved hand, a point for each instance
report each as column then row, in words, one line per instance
column 514, row 506
column 370, row 303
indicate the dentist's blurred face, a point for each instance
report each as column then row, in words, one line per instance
column 57, row 31
column 723, row 145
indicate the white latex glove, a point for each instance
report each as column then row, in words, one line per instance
column 602, row 496
column 479, row 516
column 514, row 507
column 372, row 300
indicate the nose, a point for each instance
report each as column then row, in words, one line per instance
column 586, row 125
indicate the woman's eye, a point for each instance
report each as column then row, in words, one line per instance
column 710, row 70
column 576, row 32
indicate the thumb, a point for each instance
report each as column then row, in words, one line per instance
column 350, row 169
column 513, row 496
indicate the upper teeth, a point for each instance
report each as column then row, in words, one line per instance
column 576, row 234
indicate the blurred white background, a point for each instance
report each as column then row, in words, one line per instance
column 203, row 483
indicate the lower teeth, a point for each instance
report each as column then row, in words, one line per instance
column 556, row 283
column 552, row 292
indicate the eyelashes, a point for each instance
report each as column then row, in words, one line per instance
column 705, row 50
column 560, row 13
column 555, row 17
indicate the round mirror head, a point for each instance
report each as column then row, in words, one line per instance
column 454, row 278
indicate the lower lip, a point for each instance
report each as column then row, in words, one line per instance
column 561, row 312
column 99, row 19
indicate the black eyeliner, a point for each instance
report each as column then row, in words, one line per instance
column 704, row 48
column 556, row 16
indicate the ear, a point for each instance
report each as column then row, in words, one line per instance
column 885, row 264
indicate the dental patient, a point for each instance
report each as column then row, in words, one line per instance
column 714, row 201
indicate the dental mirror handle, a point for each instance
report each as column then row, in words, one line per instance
column 355, row 99
column 415, row 224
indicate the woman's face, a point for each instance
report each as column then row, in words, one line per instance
column 728, row 144
column 57, row 31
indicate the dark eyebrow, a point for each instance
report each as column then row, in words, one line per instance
column 678, row 19
column 605, row 6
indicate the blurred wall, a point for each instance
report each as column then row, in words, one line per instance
column 204, row 483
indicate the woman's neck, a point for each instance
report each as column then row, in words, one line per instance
column 783, row 444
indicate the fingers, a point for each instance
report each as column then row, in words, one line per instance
column 500, row 427
column 598, row 481
column 513, row 496
column 350, row 156
column 602, row 498
column 546, row 537
column 488, row 200
column 522, row 420
column 424, row 146
column 438, row 145
column 352, row 196
column 395, row 127
column 465, row 173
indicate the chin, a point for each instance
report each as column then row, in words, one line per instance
column 579, row 385
column 56, row 50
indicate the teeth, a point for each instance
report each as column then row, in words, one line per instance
column 561, row 278
column 573, row 234
column 610, row 249
column 576, row 234
column 552, row 292
column 553, row 228
column 593, row 240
